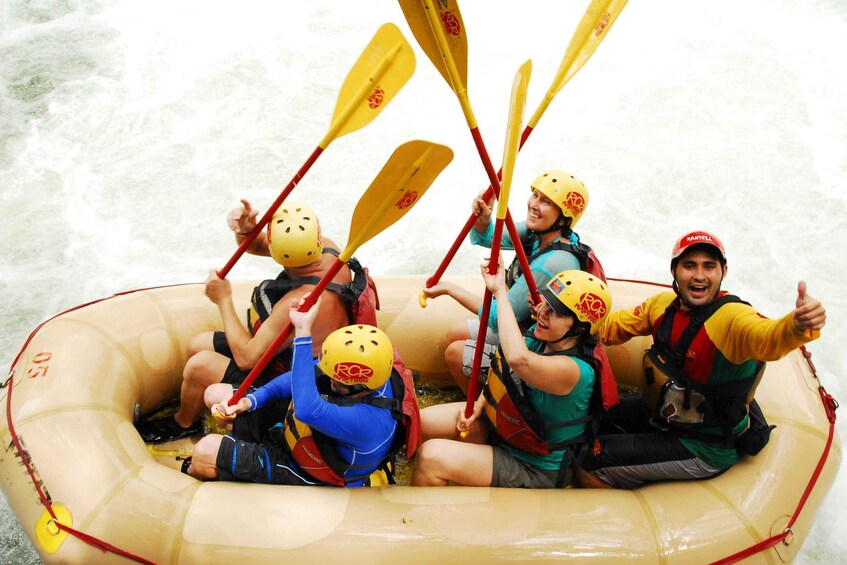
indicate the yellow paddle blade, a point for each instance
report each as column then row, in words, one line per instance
column 447, row 49
column 592, row 29
column 404, row 178
column 513, row 135
column 384, row 67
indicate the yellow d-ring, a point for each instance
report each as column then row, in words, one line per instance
column 49, row 536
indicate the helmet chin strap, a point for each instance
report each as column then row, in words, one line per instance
column 574, row 331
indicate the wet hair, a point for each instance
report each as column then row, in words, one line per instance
column 582, row 331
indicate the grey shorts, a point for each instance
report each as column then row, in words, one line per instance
column 492, row 340
column 512, row 473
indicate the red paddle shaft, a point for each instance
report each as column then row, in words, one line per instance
column 269, row 214
column 493, row 189
column 473, row 385
column 286, row 331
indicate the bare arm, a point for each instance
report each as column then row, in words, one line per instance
column 556, row 374
column 219, row 291
column 246, row 349
column 464, row 297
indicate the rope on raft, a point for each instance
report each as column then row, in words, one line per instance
column 830, row 405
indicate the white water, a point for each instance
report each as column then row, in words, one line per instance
column 129, row 129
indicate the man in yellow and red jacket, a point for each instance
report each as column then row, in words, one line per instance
column 708, row 355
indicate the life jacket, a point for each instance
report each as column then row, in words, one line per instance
column 588, row 261
column 682, row 405
column 516, row 423
column 317, row 453
column 359, row 297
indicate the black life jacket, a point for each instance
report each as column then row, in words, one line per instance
column 588, row 261
column 269, row 292
column 701, row 411
column 359, row 298
column 317, row 453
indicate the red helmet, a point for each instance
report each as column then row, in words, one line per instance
column 697, row 238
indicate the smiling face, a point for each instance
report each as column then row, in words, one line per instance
column 698, row 275
column 550, row 325
column 541, row 212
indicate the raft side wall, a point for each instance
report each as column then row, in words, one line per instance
column 77, row 426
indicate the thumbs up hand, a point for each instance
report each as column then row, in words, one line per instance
column 809, row 313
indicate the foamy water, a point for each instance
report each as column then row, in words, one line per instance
column 128, row 130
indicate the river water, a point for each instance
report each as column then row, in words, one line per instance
column 129, row 129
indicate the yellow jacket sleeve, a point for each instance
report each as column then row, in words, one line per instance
column 622, row 325
column 740, row 333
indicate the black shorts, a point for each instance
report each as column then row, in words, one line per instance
column 235, row 376
column 255, row 452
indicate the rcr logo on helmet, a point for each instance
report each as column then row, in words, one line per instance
column 591, row 306
column 575, row 203
column 352, row 373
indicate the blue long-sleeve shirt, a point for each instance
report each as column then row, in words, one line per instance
column 364, row 433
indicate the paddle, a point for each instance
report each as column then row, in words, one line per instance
column 510, row 152
column 592, row 29
column 441, row 34
column 383, row 68
column 404, row 178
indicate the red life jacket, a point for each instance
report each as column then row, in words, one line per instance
column 589, row 263
column 516, row 422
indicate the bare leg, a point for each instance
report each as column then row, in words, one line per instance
column 203, row 459
column 203, row 369
column 439, row 421
column 201, row 342
column 441, row 461
column 454, row 358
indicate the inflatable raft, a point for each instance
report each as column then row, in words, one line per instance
column 86, row 489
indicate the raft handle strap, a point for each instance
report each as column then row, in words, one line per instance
column 90, row 540
column 787, row 535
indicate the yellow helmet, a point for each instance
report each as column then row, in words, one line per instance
column 565, row 190
column 581, row 294
column 358, row 355
column 294, row 235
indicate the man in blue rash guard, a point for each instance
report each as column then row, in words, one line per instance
column 325, row 422
column 557, row 201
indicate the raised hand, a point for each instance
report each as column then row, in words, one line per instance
column 809, row 313
column 302, row 321
column 242, row 220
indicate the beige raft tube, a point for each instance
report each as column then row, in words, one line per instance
column 76, row 385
